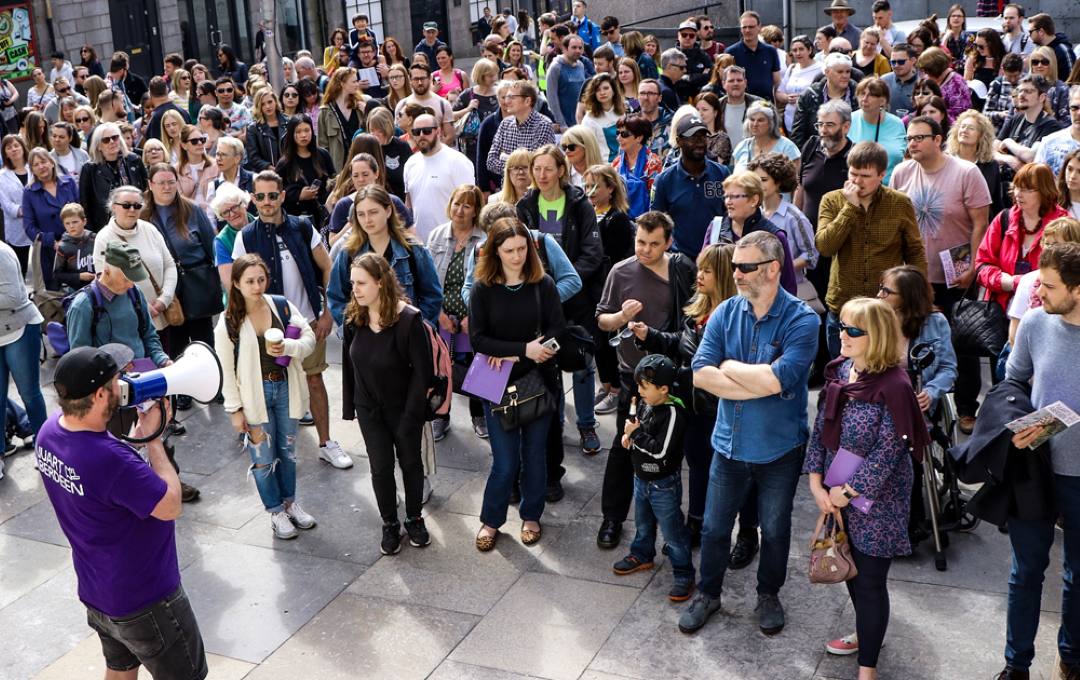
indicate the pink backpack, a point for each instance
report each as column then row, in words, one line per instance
column 440, row 383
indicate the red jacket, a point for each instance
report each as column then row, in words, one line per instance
column 1000, row 251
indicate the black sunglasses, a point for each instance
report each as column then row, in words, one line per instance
column 569, row 148
column 625, row 134
column 417, row 132
column 82, row 120
column 129, row 206
column 224, row 90
column 273, row 196
column 750, row 267
column 110, row 138
column 197, row 140
column 852, row 331
column 1039, row 62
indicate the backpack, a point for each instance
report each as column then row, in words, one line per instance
column 282, row 306
column 57, row 331
column 440, row 382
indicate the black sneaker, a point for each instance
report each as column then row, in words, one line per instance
column 746, row 546
column 590, row 443
column 183, row 402
column 418, row 534
column 554, row 493
column 630, row 564
column 391, row 538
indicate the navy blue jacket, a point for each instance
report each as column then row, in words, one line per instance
column 259, row 237
column 41, row 215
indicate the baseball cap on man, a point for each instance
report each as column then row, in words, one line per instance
column 127, row 259
column 690, row 126
column 688, row 25
column 431, row 26
column 83, row 370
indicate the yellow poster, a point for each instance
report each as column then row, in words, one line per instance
column 18, row 50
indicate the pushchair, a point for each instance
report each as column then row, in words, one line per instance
column 946, row 500
column 49, row 302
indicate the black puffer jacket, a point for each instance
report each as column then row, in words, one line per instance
column 810, row 101
column 96, row 180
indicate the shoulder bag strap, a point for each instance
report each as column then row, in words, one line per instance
column 539, row 309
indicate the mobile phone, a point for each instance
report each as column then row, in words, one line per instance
column 316, row 184
column 551, row 344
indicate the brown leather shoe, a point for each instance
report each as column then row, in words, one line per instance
column 967, row 424
column 188, row 493
column 1012, row 674
column 529, row 537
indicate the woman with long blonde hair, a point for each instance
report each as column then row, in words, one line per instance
column 341, row 114
column 265, row 399
column 582, row 151
column 516, row 178
column 182, row 88
column 172, row 129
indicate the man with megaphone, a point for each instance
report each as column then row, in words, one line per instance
column 117, row 510
column 117, row 320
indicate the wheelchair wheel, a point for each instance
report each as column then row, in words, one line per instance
column 956, row 513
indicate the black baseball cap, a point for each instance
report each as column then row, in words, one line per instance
column 658, row 370
column 83, row 370
column 690, row 126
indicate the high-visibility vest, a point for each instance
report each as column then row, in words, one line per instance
column 541, row 70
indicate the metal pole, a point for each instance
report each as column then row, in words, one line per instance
column 274, row 66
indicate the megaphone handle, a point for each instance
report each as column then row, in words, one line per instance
column 158, row 433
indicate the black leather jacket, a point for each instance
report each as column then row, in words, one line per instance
column 259, row 150
column 96, row 180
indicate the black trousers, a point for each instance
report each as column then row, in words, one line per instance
column 175, row 339
column 869, row 592
column 969, row 368
column 619, row 474
column 384, row 445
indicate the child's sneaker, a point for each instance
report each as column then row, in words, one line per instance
column 630, row 564
column 680, row 592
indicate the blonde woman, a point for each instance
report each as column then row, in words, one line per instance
column 481, row 97
column 629, row 76
column 85, row 121
column 196, row 170
column 582, row 151
column 971, row 138
column 1043, row 62
column 94, row 86
column 154, row 152
column 180, row 92
column 340, row 116
column 172, row 128
column 516, row 178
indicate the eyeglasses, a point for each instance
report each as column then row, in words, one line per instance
column 981, row 46
column 968, row 127
column 167, row 183
column 82, row 120
column 395, row 78
column 883, row 292
column 682, row 66
column 198, row 140
column 63, row 91
column 129, row 206
column 688, row 36
column 518, row 168
column 418, row 132
column 225, row 90
column 420, row 79
column 749, row 267
column 110, row 139
column 272, row 196
column 852, row 331
column 609, row 31
column 1039, row 62
column 898, row 62
column 732, row 197
column 185, row 77
column 641, row 94
column 917, row 138
column 826, row 126
column 232, row 209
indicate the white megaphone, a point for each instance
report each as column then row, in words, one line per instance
column 195, row 373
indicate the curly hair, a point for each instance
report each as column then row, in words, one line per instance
column 779, row 167
column 984, row 153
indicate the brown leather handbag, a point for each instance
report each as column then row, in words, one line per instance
column 830, row 555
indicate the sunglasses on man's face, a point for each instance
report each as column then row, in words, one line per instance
column 63, row 91
column 225, row 90
column 272, row 196
column 418, row 132
column 852, row 331
column 750, row 267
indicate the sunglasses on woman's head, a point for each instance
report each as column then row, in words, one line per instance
column 852, row 331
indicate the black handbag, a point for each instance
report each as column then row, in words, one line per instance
column 525, row 401
column 576, row 349
column 198, row 287
column 979, row 327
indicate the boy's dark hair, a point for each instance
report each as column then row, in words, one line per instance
column 609, row 22
column 880, row 6
column 604, row 52
column 1012, row 63
column 175, row 59
column 57, row 55
column 869, row 155
column 655, row 219
column 935, row 127
column 1064, row 258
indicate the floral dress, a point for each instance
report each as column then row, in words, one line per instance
column 886, row 477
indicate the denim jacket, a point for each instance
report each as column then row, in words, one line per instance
column 425, row 292
column 566, row 278
column 940, row 376
column 441, row 244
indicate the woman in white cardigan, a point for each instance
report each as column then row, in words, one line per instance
column 125, row 225
column 266, row 400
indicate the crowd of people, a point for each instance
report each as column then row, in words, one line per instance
column 696, row 235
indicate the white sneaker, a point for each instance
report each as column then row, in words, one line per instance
column 333, row 454
column 427, row 491
column 282, row 525
column 2, row 467
column 299, row 516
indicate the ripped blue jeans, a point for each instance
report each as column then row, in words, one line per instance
column 276, row 453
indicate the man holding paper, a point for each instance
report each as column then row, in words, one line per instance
column 756, row 356
column 1045, row 354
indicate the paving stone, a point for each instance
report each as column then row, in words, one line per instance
column 575, row 554
column 37, row 523
column 21, row 487
column 451, row 573
column 547, row 625
column 942, row 633
column 39, row 628
column 370, row 638
column 28, row 564
column 449, row 670
column 86, row 662
column 210, row 442
column 731, row 644
column 597, row 675
column 195, row 539
column 250, row 600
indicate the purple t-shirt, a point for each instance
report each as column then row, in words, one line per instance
column 103, row 494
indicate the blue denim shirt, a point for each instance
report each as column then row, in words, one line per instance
column 425, row 292
column 762, row 430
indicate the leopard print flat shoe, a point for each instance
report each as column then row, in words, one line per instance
column 486, row 543
column 529, row 537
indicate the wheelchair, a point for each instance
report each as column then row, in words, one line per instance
column 944, row 498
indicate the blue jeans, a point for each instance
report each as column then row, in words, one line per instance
column 1031, row 542
column 832, row 334
column 729, row 484
column 522, row 448
column 20, row 361
column 584, row 394
column 17, row 418
column 276, row 478
column 657, row 502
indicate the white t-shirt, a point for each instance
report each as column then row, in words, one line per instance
column 1021, row 299
column 290, row 273
column 795, row 80
column 69, row 163
column 430, row 181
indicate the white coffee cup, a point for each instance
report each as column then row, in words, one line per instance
column 273, row 336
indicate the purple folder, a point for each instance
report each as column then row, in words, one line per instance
column 292, row 333
column 143, row 365
column 843, row 468
column 486, row 382
column 457, row 342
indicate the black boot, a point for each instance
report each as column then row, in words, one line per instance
column 693, row 524
column 746, row 546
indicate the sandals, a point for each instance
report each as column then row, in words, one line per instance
column 529, row 537
column 485, row 543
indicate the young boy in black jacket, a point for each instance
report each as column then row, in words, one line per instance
column 655, row 442
column 74, row 264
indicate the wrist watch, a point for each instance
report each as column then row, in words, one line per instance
column 848, row 494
